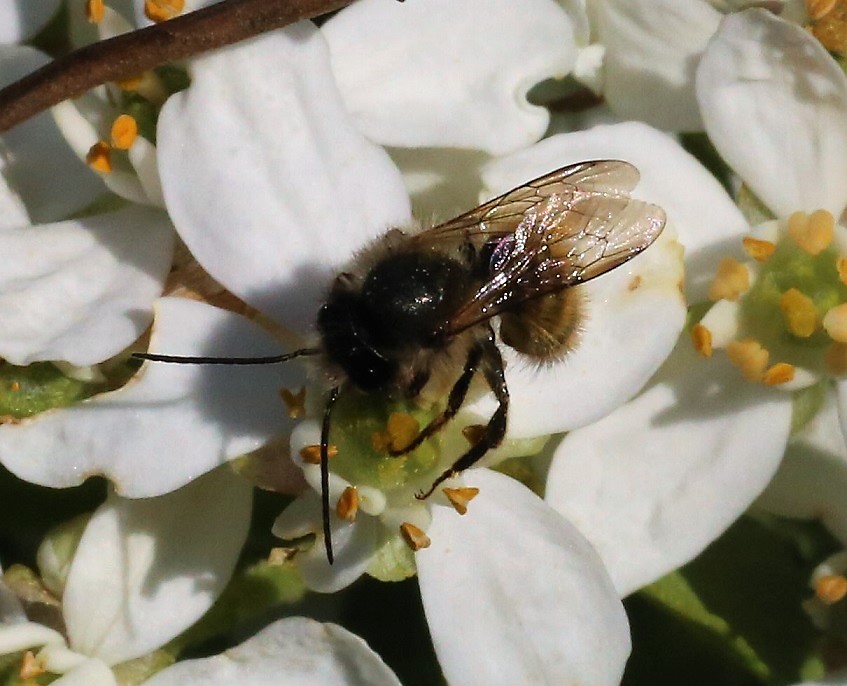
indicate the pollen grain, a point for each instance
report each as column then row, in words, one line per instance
column 777, row 374
column 94, row 11
column 162, row 10
column 124, row 132
column 814, row 232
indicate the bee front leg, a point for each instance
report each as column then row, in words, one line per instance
column 454, row 401
column 492, row 368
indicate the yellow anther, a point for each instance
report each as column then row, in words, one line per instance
column 348, row 504
column 818, row 9
column 835, row 323
column 131, row 84
column 830, row 589
column 94, row 11
column 30, row 667
column 124, row 132
column 780, row 373
column 99, row 157
column 812, row 233
column 731, row 280
column 841, row 266
column 295, row 403
column 829, row 23
column 701, row 337
column 311, row 454
column 799, row 312
column 758, row 249
column 162, row 10
column 835, row 359
column 460, row 497
column 750, row 358
column 400, row 430
column 415, row 538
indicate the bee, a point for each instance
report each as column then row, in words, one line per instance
column 412, row 304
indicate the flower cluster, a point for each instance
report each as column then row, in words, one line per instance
column 202, row 209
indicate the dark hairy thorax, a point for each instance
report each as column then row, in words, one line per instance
column 401, row 306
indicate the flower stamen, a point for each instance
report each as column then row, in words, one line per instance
column 799, row 311
column 758, row 249
column 124, row 132
column 750, row 358
column 31, row 667
column 94, row 11
column 400, row 430
column 311, row 454
column 295, row 403
column 701, row 337
column 415, row 538
column 732, row 279
column 473, row 433
column 780, row 373
column 835, row 323
column 162, row 10
column 460, row 497
column 813, row 233
column 348, row 504
column 99, row 157
column 831, row 588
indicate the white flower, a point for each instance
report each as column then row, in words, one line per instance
column 655, row 482
column 278, row 190
column 651, row 53
column 144, row 571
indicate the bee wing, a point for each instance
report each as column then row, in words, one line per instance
column 560, row 230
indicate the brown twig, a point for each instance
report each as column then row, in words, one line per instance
column 130, row 54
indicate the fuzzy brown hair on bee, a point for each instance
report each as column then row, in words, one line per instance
column 412, row 303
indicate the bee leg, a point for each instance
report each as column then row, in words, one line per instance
column 493, row 371
column 454, row 402
column 330, row 403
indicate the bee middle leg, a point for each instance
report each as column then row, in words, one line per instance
column 454, row 401
column 491, row 365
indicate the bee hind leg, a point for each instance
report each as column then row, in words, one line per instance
column 491, row 365
column 454, row 401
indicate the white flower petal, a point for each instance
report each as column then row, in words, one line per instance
column 353, row 544
column 447, row 74
column 88, row 673
column 82, row 290
column 651, row 49
column 706, row 219
column 146, row 570
column 40, row 165
column 171, row 423
column 265, row 176
column 514, row 594
column 630, row 321
column 812, row 478
column 17, row 636
column 653, row 483
column 775, row 105
column 22, row 19
column 290, row 652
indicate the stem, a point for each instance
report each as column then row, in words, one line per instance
column 130, row 54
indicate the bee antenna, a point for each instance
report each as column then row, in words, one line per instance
column 203, row 359
column 330, row 403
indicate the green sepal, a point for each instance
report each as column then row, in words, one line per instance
column 25, row 391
